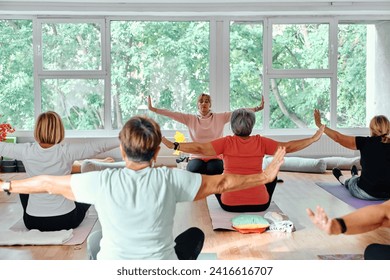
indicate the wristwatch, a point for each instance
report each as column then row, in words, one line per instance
column 176, row 146
column 6, row 186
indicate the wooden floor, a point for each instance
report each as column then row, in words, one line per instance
column 298, row 192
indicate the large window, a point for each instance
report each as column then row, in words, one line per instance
column 300, row 72
column 98, row 72
column 70, row 71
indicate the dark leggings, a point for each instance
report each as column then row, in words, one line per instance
column 377, row 252
column 250, row 208
column 189, row 244
column 211, row 167
column 52, row 223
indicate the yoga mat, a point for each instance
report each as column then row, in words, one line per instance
column 35, row 237
column 221, row 219
column 80, row 233
column 343, row 194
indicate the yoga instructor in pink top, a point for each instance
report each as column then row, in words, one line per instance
column 243, row 154
column 205, row 126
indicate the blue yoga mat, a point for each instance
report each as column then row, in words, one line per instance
column 343, row 194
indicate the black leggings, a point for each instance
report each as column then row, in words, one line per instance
column 377, row 252
column 189, row 244
column 250, row 208
column 211, row 167
column 52, row 223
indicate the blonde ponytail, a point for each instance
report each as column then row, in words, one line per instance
column 380, row 126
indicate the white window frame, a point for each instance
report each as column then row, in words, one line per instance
column 270, row 73
column 219, row 63
column 102, row 74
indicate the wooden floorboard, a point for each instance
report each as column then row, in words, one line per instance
column 293, row 196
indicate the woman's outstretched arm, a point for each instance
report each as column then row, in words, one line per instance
column 191, row 147
column 346, row 141
column 297, row 145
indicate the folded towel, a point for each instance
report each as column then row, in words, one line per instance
column 283, row 226
column 279, row 222
column 35, row 237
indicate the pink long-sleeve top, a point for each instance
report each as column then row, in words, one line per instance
column 202, row 129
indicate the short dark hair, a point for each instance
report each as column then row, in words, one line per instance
column 140, row 137
column 242, row 122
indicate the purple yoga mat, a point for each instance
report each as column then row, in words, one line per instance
column 343, row 194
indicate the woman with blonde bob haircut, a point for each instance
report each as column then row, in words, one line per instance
column 374, row 181
column 49, row 155
column 49, row 128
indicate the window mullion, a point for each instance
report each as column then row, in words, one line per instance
column 106, row 56
column 213, row 56
column 37, row 53
column 267, row 64
column 333, row 53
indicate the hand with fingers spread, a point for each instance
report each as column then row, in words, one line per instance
column 272, row 169
column 320, row 219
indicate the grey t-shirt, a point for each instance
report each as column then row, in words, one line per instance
column 136, row 209
column 56, row 160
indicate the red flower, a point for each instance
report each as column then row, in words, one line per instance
column 5, row 128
